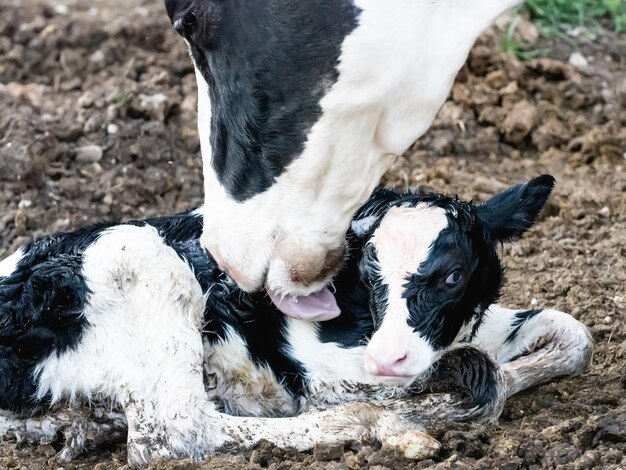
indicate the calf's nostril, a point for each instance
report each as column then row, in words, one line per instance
column 400, row 359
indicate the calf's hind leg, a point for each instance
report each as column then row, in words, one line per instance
column 79, row 428
column 534, row 346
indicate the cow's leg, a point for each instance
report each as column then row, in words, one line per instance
column 534, row 346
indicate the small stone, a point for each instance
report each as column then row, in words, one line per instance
column 112, row 112
column 578, row 60
column 604, row 212
column 112, row 129
column 89, row 154
column 154, row 106
column 61, row 9
column 93, row 123
column 86, row 99
column 97, row 58
column 91, row 170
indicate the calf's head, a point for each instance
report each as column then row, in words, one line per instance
column 433, row 269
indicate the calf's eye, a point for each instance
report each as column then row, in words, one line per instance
column 454, row 278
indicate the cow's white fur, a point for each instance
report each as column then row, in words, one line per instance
column 403, row 242
column 395, row 70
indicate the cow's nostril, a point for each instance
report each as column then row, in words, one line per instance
column 310, row 265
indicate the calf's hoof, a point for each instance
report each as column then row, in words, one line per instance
column 415, row 445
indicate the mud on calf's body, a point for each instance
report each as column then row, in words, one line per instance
column 86, row 315
column 307, row 104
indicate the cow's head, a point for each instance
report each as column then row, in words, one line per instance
column 433, row 269
column 302, row 107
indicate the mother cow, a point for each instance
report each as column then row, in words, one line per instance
column 302, row 106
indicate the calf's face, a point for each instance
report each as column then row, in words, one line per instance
column 433, row 269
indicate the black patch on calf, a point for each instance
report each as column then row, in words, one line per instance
column 437, row 311
column 252, row 316
column 469, row 371
column 178, row 227
column 268, row 64
column 41, row 311
column 518, row 321
column 355, row 325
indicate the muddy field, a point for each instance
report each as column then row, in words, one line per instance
column 97, row 122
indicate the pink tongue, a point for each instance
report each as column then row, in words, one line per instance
column 319, row 306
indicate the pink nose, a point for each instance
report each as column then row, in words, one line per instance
column 392, row 365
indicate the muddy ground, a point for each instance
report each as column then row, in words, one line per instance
column 97, row 121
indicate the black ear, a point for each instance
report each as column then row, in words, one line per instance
column 371, row 213
column 365, row 226
column 195, row 20
column 182, row 16
column 509, row 214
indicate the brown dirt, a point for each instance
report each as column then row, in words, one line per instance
column 113, row 75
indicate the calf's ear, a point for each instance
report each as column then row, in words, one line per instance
column 365, row 226
column 368, row 217
column 509, row 214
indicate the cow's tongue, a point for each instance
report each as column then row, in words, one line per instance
column 319, row 306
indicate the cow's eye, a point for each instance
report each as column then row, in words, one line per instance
column 454, row 278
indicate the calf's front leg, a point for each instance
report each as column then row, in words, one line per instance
column 465, row 384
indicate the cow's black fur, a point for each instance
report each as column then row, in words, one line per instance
column 268, row 64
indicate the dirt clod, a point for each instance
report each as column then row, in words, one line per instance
column 519, row 121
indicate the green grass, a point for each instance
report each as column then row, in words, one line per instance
column 556, row 17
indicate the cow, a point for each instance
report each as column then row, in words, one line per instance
column 140, row 316
column 305, row 104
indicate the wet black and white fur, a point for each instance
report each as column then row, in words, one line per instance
column 139, row 316
column 305, row 104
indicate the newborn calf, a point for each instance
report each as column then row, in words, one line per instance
column 139, row 315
